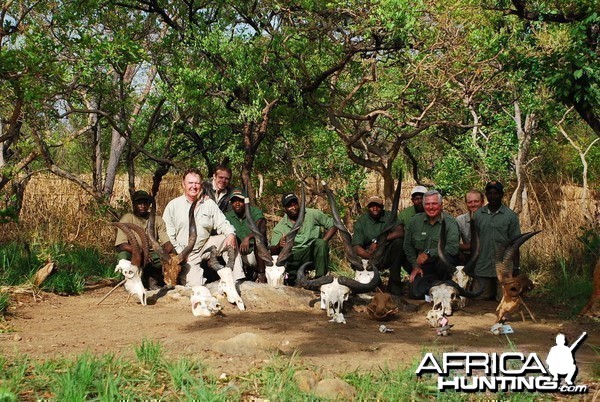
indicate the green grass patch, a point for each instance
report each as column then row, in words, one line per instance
column 4, row 303
column 74, row 266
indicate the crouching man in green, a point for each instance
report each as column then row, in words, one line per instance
column 310, row 243
column 152, row 276
column 367, row 228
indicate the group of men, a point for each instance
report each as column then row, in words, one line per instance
column 412, row 244
column 418, row 232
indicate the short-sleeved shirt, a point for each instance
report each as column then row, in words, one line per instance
column 464, row 224
column 420, row 235
column 366, row 228
column 405, row 215
column 495, row 231
column 315, row 221
column 242, row 230
column 160, row 230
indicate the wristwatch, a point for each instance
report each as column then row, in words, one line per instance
column 427, row 252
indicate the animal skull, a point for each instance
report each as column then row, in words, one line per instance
column 333, row 296
column 133, row 279
column 463, row 280
column 364, row 276
column 227, row 286
column 204, row 304
column 444, row 297
column 275, row 275
column 382, row 306
column 433, row 317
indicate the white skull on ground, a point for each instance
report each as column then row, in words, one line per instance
column 463, row 280
column 363, row 276
column 333, row 296
column 204, row 304
column 275, row 275
column 433, row 317
column 227, row 286
column 133, row 279
column 444, row 297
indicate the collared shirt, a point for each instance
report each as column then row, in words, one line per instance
column 405, row 215
column 366, row 228
column 464, row 224
column 314, row 222
column 420, row 235
column 495, row 231
column 160, row 230
column 208, row 216
column 220, row 198
column 241, row 224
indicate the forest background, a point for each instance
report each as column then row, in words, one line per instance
column 448, row 94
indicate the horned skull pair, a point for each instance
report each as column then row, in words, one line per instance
column 335, row 291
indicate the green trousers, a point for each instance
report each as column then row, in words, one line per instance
column 317, row 252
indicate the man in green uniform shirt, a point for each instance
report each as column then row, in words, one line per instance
column 253, row 267
column 366, row 229
column 497, row 225
column 422, row 235
column 152, row 276
column 309, row 245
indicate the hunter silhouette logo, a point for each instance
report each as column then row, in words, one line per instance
column 560, row 359
column 506, row 372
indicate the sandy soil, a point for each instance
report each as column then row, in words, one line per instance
column 289, row 319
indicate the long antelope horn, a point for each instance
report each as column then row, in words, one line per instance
column 358, row 287
column 151, row 230
column 286, row 251
column 311, row 284
column 145, row 244
column 475, row 246
column 213, row 261
column 260, row 240
column 353, row 258
column 514, row 244
column 442, row 246
column 136, row 251
column 193, row 234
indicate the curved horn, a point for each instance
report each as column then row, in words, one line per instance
column 260, row 240
column 311, row 284
column 514, row 244
column 442, row 246
column 358, row 287
column 193, row 234
column 213, row 262
column 136, row 251
column 150, row 230
column 145, row 246
column 355, row 261
column 475, row 246
column 289, row 238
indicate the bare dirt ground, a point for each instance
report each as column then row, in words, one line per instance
column 289, row 320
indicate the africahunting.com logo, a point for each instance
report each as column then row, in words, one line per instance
column 512, row 371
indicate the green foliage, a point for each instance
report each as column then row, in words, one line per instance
column 149, row 353
column 74, row 265
column 4, row 303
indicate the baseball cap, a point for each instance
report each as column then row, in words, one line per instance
column 495, row 184
column 237, row 193
column 287, row 198
column 418, row 190
column 141, row 195
column 375, row 199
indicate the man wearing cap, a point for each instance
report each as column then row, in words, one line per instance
column 308, row 244
column 497, row 224
column 422, row 235
column 416, row 196
column 218, row 189
column 152, row 272
column 474, row 201
column 254, row 267
column 366, row 229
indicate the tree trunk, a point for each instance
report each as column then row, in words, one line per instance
column 592, row 308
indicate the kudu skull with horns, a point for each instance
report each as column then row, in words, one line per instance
column 275, row 264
